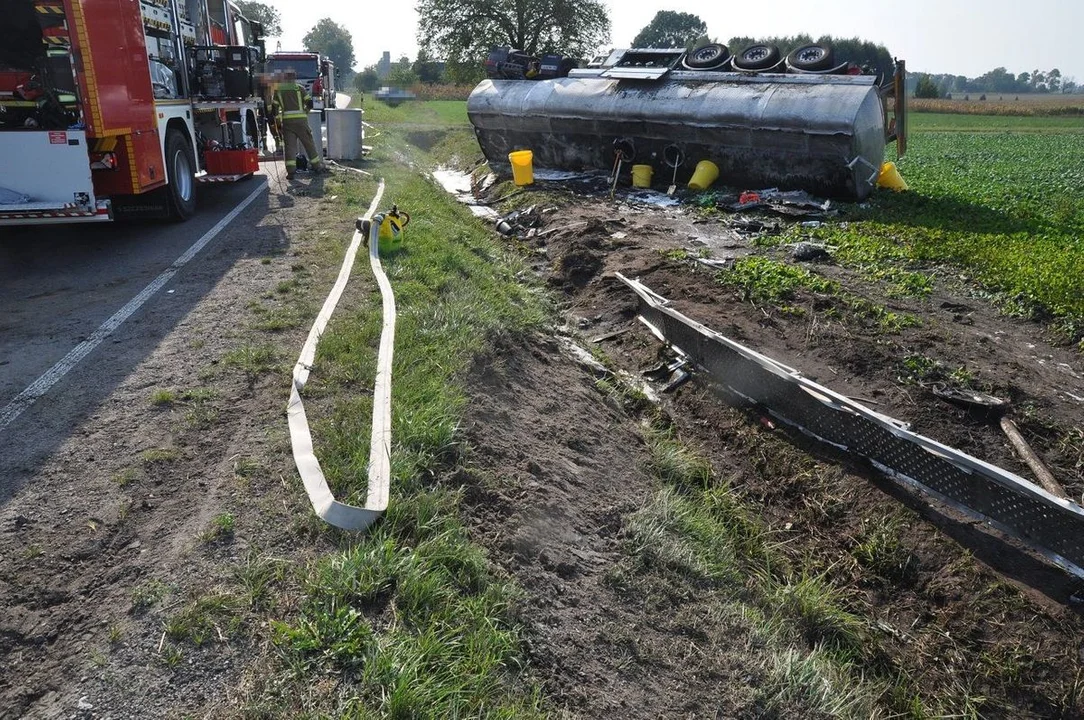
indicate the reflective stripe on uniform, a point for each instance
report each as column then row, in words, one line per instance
column 290, row 97
column 294, row 116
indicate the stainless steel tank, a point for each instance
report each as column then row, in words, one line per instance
column 823, row 134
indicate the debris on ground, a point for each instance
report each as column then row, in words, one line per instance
column 810, row 252
column 520, row 222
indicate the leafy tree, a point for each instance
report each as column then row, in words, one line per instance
column 463, row 31
column 264, row 14
column 367, row 80
column 669, row 29
column 463, row 73
column 998, row 80
column 784, row 42
column 927, row 88
column 402, row 73
column 1053, row 80
column 427, row 70
column 332, row 39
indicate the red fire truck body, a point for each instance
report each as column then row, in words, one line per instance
column 113, row 106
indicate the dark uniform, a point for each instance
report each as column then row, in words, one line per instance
column 290, row 102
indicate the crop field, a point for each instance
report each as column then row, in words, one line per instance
column 1001, row 197
column 1004, row 104
column 956, row 122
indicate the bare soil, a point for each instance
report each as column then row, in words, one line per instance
column 975, row 614
column 123, row 528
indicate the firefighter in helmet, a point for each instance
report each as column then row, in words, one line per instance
column 291, row 103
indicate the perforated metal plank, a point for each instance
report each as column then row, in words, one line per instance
column 1052, row 526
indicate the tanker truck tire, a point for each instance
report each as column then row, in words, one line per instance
column 812, row 57
column 709, row 57
column 757, row 57
column 181, row 174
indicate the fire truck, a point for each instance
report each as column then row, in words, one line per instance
column 314, row 72
column 120, row 108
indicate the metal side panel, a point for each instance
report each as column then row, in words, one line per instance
column 1050, row 525
column 631, row 73
column 51, row 167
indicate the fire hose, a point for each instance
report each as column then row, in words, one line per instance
column 332, row 511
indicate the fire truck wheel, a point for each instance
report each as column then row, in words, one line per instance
column 180, row 171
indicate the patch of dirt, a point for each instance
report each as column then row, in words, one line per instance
column 967, row 609
column 113, row 537
column 565, row 470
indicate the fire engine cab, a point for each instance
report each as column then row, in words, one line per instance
column 123, row 107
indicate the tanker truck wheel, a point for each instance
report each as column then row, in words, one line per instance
column 708, row 57
column 757, row 57
column 812, row 57
column 180, row 173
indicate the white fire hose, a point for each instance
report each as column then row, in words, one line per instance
column 341, row 515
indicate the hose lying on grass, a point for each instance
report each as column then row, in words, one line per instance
column 341, row 515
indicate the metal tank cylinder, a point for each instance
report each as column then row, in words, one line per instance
column 816, row 133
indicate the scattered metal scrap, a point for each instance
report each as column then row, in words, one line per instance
column 1052, row 526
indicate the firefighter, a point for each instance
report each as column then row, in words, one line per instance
column 291, row 102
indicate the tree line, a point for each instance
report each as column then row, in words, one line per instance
column 462, row 32
column 999, row 81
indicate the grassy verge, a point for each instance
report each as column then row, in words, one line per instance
column 407, row 620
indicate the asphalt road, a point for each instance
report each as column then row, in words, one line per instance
column 59, row 284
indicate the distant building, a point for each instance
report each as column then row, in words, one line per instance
column 383, row 68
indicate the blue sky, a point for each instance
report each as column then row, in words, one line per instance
column 963, row 37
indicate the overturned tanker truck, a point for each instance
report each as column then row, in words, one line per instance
column 799, row 122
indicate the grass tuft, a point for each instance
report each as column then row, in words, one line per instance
column 880, row 552
column 253, row 360
column 221, row 528
column 159, row 456
column 162, row 397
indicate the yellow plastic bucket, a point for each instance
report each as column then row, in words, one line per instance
column 890, row 178
column 641, row 175
column 705, row 174
column 522, row 166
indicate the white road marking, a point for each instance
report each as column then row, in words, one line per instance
column 42, row 385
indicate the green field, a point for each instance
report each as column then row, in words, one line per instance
column 999, row 198
column 443, row 113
